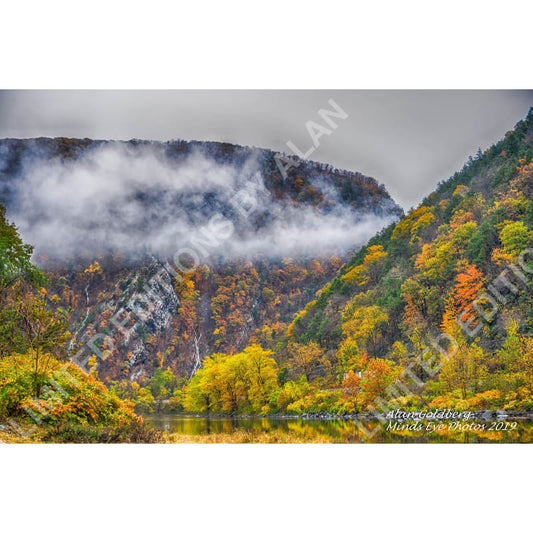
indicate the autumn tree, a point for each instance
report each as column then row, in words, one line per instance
column 363, row 325
column 377, row 377
column 423, row 304
column 306, row 359
column 515, row 237
column 464, row 370
column 468, row 285
column 233, row 383
column 412, row 225
column 371, row 268
column 28, row 325
column 351, row 386
column 516, row 354
column 262, row 375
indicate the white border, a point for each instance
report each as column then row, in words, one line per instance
column 244, row 488
column 274, row 44
column 409, row 44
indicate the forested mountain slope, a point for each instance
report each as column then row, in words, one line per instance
column 106, row 217
column 456, row 267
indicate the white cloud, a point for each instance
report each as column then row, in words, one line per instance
column 135, row 199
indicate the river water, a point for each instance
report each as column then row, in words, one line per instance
column 341, row 430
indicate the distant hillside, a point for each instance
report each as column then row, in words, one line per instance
column 104, row 216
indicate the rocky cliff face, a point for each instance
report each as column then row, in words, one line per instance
column 166, row 252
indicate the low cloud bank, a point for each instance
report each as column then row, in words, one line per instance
column 136, row 200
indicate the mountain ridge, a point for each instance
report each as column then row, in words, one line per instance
column 266, row 287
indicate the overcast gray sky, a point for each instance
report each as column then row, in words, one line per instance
column 408, row 140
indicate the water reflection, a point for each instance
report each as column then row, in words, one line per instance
column 336, row 430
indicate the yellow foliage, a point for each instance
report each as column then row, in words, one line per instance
column 460, row 190
column 412, row 223
column 94, row 268
column 370, row 269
